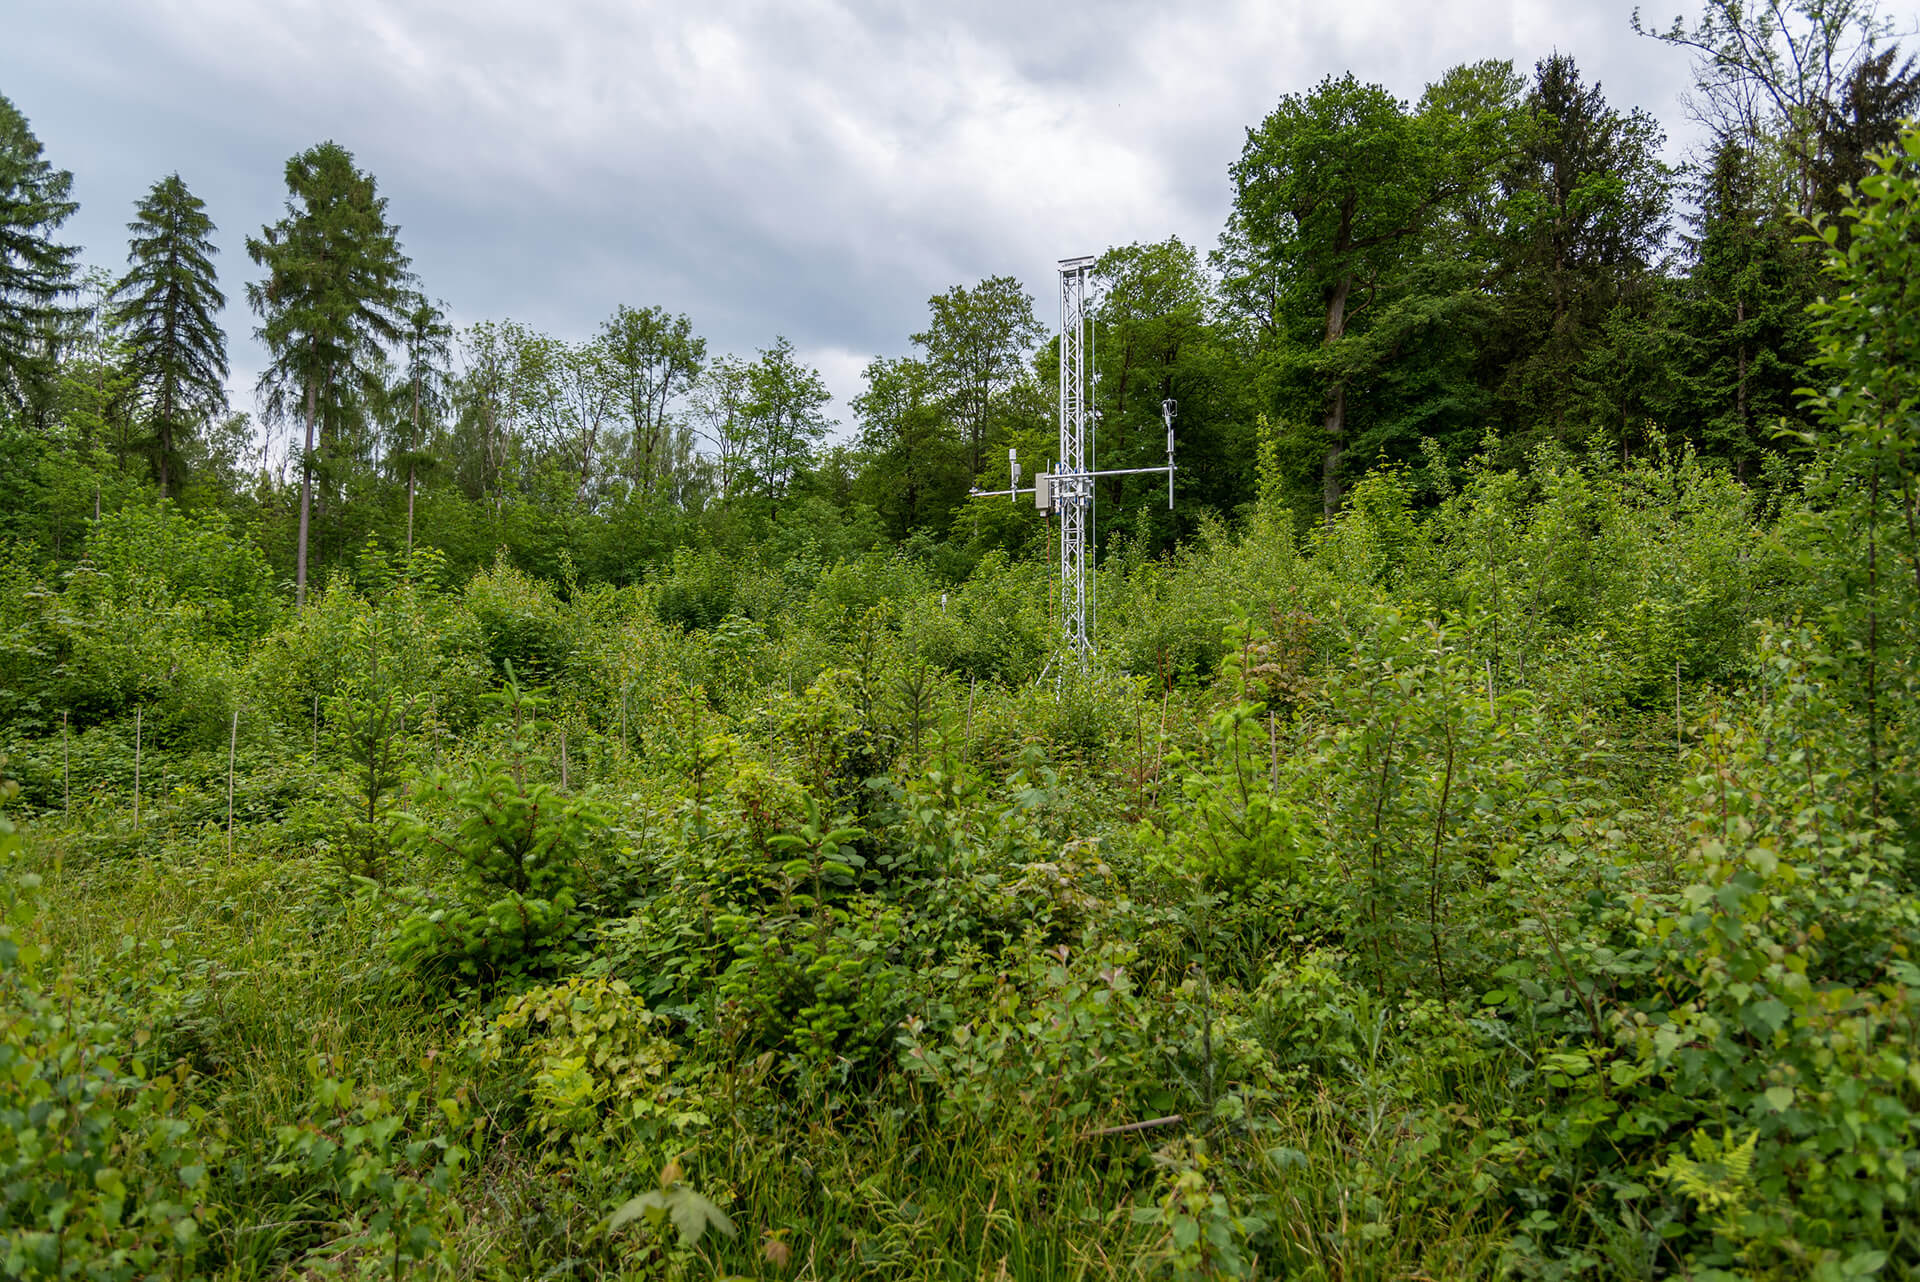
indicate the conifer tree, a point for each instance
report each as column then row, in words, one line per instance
column 35, row 198
column 427, row 343
column 166, row 306
column 1748, row 334
column 335, row 293
column 1882, row 91
column 1586, row 218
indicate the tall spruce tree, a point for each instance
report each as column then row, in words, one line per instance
column 334, row 295
column 427, row 350
column 35, row 272
column 166, row 306
column 1743, row 311
column 1586, row 217
column 1882, row 91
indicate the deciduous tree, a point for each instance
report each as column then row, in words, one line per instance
column 1335, row 194
column 976, row 344
column 786, row 407
column 1769, row 73
column 652, row 360
column 915, row 462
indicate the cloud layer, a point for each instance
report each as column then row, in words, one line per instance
column 808, row 168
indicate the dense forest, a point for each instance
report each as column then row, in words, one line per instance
column 505, row 806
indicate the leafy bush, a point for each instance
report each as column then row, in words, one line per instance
column 521, row 622
column 595, row 1063
column 517, row 846
column 105, row 1171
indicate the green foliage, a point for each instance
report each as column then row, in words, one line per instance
column 1513, row 875
column 35, row 271
column 205, row 562
column 1062, row 1044
column 165, row 305
column 516, row 846
column 1204, row 1237
column 370, row 1160
column 105, row 1167
column 1870, row 405
column 333, row 293
column 816, row 976
column 595, row 1063
column 674, row 1206
column 366, row 717
column 521, row 622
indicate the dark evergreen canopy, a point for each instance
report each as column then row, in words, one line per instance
column 168, row 307
column 35, row 271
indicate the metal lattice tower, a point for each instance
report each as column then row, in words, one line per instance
column 1072, row 480
column 1067, row 491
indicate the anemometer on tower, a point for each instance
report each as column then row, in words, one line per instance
column 1067, row 489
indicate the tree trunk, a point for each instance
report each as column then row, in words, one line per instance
column 1335, row 424
column 1336, row 427
column 165, row 434
column 167, row 394
column 649, row 432
column 1740, row 385
column 306, row 498
column 413, row 451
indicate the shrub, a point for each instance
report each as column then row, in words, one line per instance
column 521, row 622
column 517, row 845
column 595, row 1063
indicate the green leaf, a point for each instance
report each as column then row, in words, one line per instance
column 1864, row 1264
column 633, row 1208
column 693, row 1215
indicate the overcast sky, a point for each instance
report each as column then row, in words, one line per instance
column 810, row 168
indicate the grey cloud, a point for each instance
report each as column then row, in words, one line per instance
column 816, row 169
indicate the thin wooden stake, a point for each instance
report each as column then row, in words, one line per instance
column 1492, row 713
column 316, row 727
column 233, row 747
column 1679, row 736
column 966, row 734
column 624, row 745
column 1273, row 754
column 1152, row 1123
column 1160, row 748
column 136, row 767
column 66, row 770
column 563, row 759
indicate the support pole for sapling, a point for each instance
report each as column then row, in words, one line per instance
column 233, row 747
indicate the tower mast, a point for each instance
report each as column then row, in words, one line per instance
column 1073, row 478
column 1068, row 489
